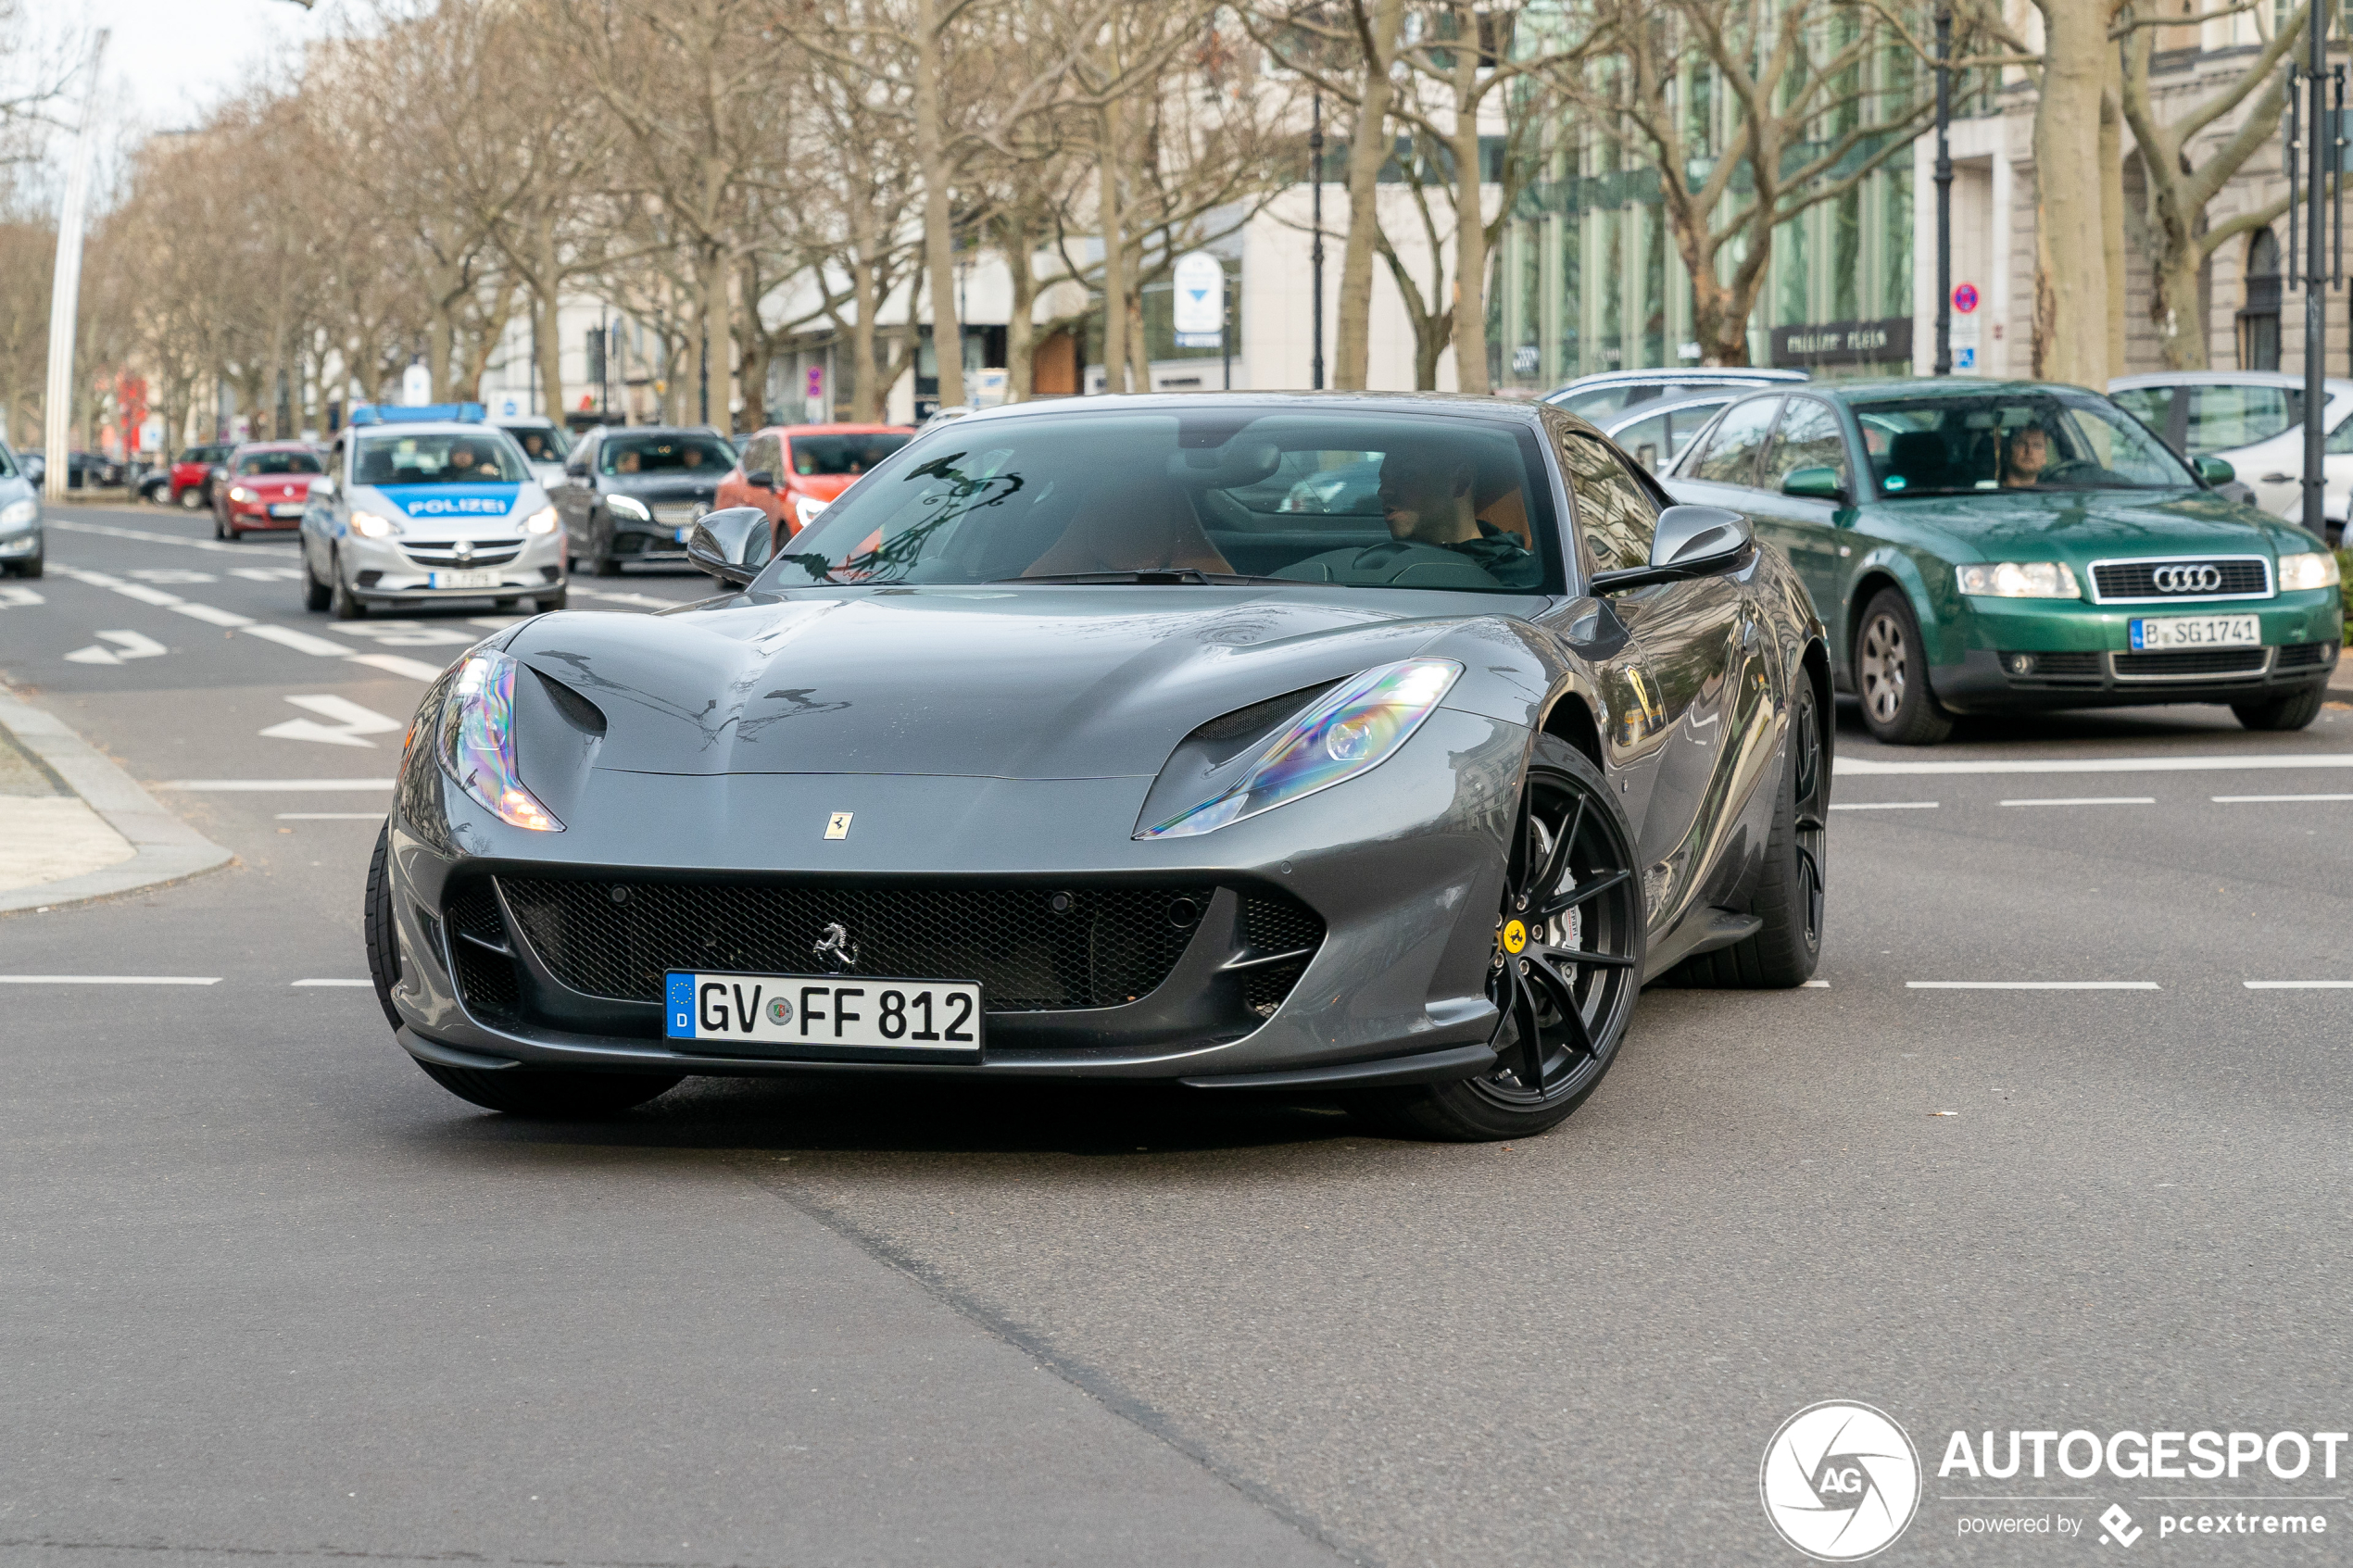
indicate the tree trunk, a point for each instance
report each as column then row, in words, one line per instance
column 1013, row 241
column 1470, row 220
column 1368, row 149
column 2112, row 209
column 1114, row 256
column 549, row 342
column 2070, row 275
column 940, row 239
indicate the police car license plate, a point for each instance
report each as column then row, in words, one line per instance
column 2161, row 635
column 286, row 509
column 682, row 535
column 779, row 1015
column 483, row 579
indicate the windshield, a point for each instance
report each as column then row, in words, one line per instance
column 541, row 444
column 278, row 462
column 2041, row 440
column 434, row 459
column 1357, row 499
column 666, row 454
column 844, row 454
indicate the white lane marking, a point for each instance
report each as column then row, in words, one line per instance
column 213, row 614
column 1860, row 766
column 144, row 536
column 415, row 669
column 2241, row 799
column 170, row 576
column 330, row 816
column 267, row 573
column 350, row 722
column 1817, row 985
column 2297, row 985
column 2031, row 986
column 301, row 642
column 404, row 634
column 331, row 982
column 249, row 786
column 1883, row 806
column 625, row 599
column 494, row 622
column 109, row 980
column 14, row 597
column 2088, row 800
column 127, row 645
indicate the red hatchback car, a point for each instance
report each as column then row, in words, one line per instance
column 264, row 485
column 792, row 472
column 192, row 475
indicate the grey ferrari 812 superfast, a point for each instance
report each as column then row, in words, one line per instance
column 1364, row 747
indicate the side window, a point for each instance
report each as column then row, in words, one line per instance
column 1615, row 517
column 1732, row 454
column 2226, row 416
column 764, row 454
column 582, row 456
column 1648, row 440
column 1808, row 438
column 2150, row 404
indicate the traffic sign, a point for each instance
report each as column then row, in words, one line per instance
column 1965, row 298
column 1201, row 293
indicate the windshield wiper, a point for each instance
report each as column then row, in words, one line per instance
column 1154, row 575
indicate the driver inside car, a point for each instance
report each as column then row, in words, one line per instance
column 1429, row 500
column 2026, row 452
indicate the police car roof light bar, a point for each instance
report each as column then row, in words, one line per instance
column 431, row 413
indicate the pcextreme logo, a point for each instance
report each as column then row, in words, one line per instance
column 1840, row 1481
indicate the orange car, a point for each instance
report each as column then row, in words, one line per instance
column 793, row 471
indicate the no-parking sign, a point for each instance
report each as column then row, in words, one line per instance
column 1965, row 298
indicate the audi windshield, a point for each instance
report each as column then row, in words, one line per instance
column 2042, row 440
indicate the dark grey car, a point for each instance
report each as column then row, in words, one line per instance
column 630, row 494
column 1060, row 747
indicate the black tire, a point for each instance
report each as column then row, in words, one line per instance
column 1891, row 674
column 1571, row 886
column 601, row 560
column 553, row 1095
column 342, row 603
column 376, row 927
column 504, row 604
column 191, row 499
column 547, row 602
column 219, row 526
column 30, row 567
column 1789, row 889
column 2282, row 713
column 315, row 594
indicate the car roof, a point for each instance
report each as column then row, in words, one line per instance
column 2337, row 385
column 790, row 431
column 427, row 427
column 287, row 445
column 1722, row 375
column 1500, row 411
column 1635, row 412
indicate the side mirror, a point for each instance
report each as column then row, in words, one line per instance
column 1814, row 485
column 732, row 544
column 1689, row 542
column 760, row 479
column 2214, row 472
column 323, row 487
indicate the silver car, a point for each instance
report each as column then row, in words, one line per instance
column 425, row 504
column 1656, row 433
column 2253, row 421
column 21, row 542
column 1605, row 393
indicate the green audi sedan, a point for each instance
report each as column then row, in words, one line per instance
column 2008, row 547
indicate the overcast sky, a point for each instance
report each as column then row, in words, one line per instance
column 169, row 60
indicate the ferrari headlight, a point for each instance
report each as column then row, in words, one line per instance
column 368, row 526
column 2311, row 571
column 541, row 521
column 20, row 514
column 239, row 493
column 805, row 509
column 1355, row 727
column 478, row 741
column 628, row 505
column 2019, row 580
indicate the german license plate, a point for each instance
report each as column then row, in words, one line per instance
column 784, row 1013
column 2159, row 635
column 483, row 579
column 286, row 509
column 682, row 535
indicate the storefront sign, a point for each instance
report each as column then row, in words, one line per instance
column 1844, row 343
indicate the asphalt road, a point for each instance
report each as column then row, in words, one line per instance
column 268, row 1293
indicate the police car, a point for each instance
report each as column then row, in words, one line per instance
column 420, row 504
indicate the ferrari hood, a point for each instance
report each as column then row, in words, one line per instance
column 1041, row 682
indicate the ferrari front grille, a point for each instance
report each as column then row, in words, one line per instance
column 1031, row 948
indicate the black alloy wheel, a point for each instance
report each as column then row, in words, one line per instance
column 1565, row 969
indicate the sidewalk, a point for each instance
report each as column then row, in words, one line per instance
column 73, row 826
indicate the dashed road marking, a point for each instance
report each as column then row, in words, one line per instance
column 1883, row 806
column 169, row 576
column 1870, row 766
column 392, row 663
column 109, row 980
column 2297, row 985
column 331, row 982
column 2032, row 986
column 213, row 614
column 2088, row 801
column 330, row 816
column 2245, row 799
column 14, row 596
column 249, row 786
column 147, row 536
column 301, row 642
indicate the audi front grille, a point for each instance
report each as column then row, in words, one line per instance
column 2178, row 579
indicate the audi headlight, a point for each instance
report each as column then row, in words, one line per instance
column 368, row 526
column 239, row 493
column 478, row 741
column 2019, row 580
column 20, row 514
column 628, row 505
column 541, row 521
column 1357, row 726
column 2311, row 571
column 805, row 509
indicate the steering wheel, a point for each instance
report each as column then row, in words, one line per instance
column 2074, row 470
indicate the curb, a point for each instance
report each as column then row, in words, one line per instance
column 164, row 849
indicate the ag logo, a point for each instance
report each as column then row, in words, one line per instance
column 1840, row 1481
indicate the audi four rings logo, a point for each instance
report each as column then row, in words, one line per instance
column 2187, row 579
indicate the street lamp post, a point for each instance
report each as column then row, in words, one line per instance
column 1315, row 256
column 1944, row 191
column 2320, row 159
